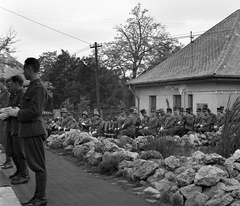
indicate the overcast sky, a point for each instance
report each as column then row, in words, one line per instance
column 93, row 21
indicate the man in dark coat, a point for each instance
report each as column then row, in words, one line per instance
column 14, row 143
column 4, row 99
column 129, row 126
column 32, row 129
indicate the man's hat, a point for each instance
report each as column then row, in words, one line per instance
column 153, row 110
column 188, row 109
column 70, row 113
column 64, row 110
column 85, row 113
column 198, row 110
column 169, row 109
column 143, row 111
column 96, row 113
column 160, row 110
column 205, row 109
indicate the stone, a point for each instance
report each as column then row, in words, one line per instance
column 208, row 175
column 236, row 156
column 125, row 164
column 236, row 166
column 214, row 158
column 171, row 177
column 186, row 178
column 124, row 155
column 230, row 184
column 109, row 146
column 150, row 154
column 158, row 175
column 145, row 170
column 235, row 203
column 162, row 185
column 177, row 199
column 214, row 190
column 69, row 148
column 172, row 163
column 150, row 190
column 93, row 158
column 221, row 199
column 198, row 156
column 188, row 190
column 196, row 199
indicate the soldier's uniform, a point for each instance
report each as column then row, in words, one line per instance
column 220, row 119
column 97, row 125
column 85, row 122
column 4, row 100
column 129, row 126
column 14, row 143
column 178, row 127
column 198, row 119
column 205, row 122
column 33, row 131
column 167, row 126
column 189, row 121
column 150, row 128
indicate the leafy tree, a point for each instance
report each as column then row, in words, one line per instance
column 140, row 44
column 73, row 80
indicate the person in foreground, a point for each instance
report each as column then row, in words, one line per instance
column 32, row 129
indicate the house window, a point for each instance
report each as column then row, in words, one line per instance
column 177, row 101
column 190, row 101
column 153, row 102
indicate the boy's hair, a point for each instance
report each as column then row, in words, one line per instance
column 17, row 79
column 34, row 63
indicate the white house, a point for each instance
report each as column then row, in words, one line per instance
column 205, row 72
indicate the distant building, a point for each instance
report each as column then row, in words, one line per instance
column 205, row 72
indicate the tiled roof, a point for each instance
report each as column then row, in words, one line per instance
column 216, row 53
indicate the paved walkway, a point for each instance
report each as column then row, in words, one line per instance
column 69, row 185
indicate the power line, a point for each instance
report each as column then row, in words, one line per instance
column 46, row 26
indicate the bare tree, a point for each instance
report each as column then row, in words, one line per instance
column 140, row 44
column 7, row 49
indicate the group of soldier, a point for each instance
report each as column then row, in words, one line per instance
column 175, row 121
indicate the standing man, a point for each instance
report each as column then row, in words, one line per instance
column 14, row 143
column 32, row 129
column 4, row 100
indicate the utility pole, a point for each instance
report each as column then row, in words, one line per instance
column 95, row 46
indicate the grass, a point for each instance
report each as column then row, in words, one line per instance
column 164, row 144
column 230, row 137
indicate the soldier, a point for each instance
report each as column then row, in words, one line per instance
column 161, row 117
column 220, row 119
column 167, row 126
column 14, row 143
column 198, row 119
column 145, row 119
column 84, row 122
column 129, row 126
column 5, row 88
column 97, row 125
column 213, row 120
column 32, row 128
column 178, row 127
column 152, row 125
column 121, row 118
column 71, row 123
column 189, row 120
column 205, row 121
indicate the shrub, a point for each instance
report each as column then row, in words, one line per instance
column 230, row 140
column 108, row 167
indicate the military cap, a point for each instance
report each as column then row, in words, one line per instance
column 160, row 110
column 64, row 110
column 143, row 111
column 198, row 110
column 96, row 113
column 153, row 110
column 169, row 109
column 85, row 113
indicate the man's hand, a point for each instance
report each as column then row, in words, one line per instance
column 3, row 116
column 12, row 111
